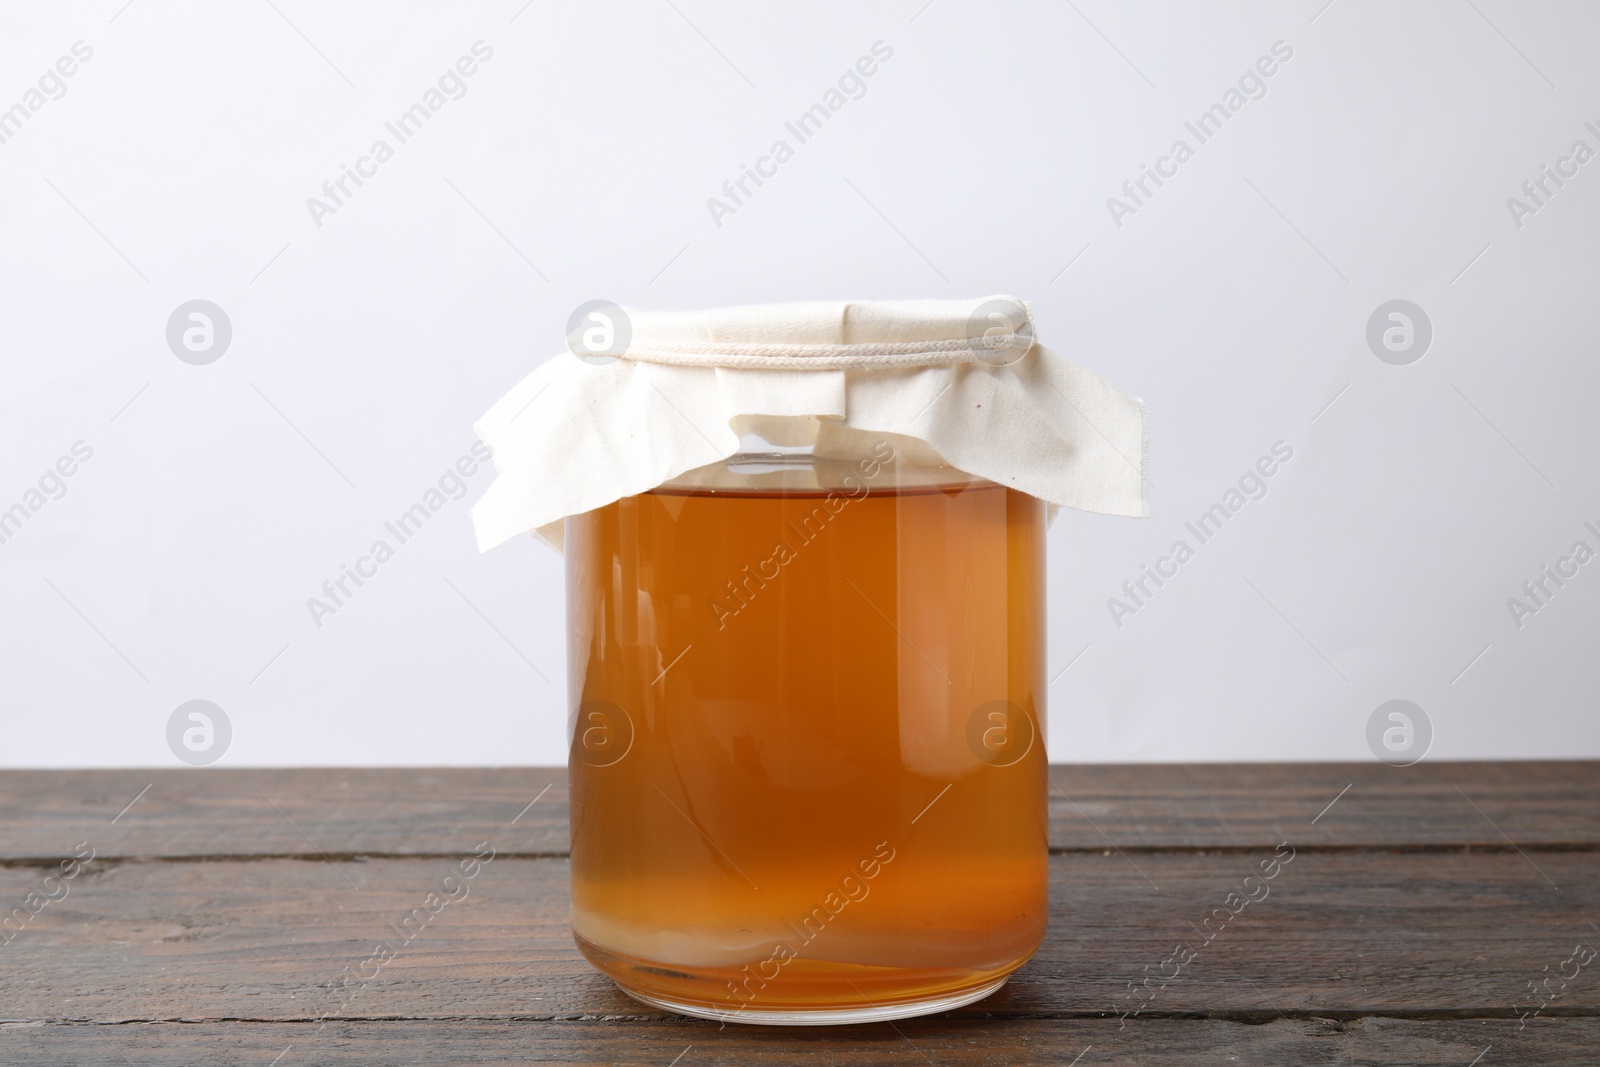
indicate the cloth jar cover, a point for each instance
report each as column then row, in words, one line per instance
column 959, row 380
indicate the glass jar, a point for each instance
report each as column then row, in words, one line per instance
column 808, row 770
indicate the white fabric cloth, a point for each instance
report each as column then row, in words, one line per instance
column 576, row 435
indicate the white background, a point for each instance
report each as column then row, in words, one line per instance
column 577, row 166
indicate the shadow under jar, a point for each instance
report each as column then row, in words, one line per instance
column 808, row 770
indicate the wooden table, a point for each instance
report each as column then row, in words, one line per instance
column 224, row 911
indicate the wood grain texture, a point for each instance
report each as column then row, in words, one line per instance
column 224, row 909
column 1340, row 934
column 281, row 812
column 1370, row 1042
column 389, row 812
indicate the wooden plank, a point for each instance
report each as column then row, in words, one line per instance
column 1345, row 933
column 1565, row 1042
column 339, row 812
column 1553, row 804
column 422, row 812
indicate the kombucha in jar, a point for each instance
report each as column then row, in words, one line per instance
column 808, row 769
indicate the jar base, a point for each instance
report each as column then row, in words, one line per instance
column 904, row 1009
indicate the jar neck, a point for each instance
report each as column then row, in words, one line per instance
column 835, row 459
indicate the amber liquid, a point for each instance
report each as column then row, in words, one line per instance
column 822, row 786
